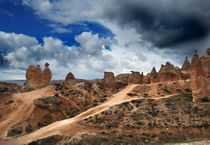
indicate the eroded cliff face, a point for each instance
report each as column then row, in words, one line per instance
column 136, row 78
column 36, row 78
column 199, row 78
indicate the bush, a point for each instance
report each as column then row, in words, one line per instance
column 14, row 131
column 44, row 102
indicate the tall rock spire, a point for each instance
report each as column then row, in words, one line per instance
column 186, row 65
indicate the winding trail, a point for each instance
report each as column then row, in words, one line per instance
column 67, row 124
column 25, row 108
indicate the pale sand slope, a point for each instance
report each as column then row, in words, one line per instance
column 23, row 108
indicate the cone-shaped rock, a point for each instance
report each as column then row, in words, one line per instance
column 186, row 65
column 153, row 76
column 70, row 79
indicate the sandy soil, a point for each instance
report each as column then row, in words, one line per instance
column 23, row 108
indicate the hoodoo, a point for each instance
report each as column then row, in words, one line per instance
column 153, row 76
column 109, row 79
column 70, row 79
column 199, row 83
column 36, row 78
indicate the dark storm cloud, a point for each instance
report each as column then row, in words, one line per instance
column 165, row 23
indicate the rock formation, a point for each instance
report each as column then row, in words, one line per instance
column 136, row 78
column 169, row 73
column 186, row 65
column 199, row 82
column 123, row 78
column 70, row 79
column 109, row 79
column 153, row 76
column 36, row 78
column 186, row 70
column 205, row 60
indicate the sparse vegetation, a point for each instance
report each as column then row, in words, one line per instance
column 14, row 131
column 52, row 140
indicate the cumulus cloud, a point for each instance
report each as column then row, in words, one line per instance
column 164, row 23
column 90, row 56
column 88, row 60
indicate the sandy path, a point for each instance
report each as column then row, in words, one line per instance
column 67, row 124
column 23, row 108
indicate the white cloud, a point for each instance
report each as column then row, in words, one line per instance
column 90, row 57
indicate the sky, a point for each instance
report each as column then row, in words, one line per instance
column 88, row 37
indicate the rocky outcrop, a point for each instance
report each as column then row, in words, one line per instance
column 199, row 82
column 36, row 78
column 205, row 61
column 153, row 76
column 70, row 79
column 109, row 79
column 169, row 73
column 123, row 78
column 136, row 78
column 186, row 69
column 186, row 65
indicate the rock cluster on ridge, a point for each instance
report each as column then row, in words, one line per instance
column 169, row 73
column 136, row 78
column 36, row 78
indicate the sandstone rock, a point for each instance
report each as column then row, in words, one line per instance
column 70, row 79
column 205, row 60
column 186, row 65
column 136, row 78
column 147, row 79
column 123, row 78
column 36, row 78
column 199, row 82
column 153, row 77
column 169, row 73
column 109, row 79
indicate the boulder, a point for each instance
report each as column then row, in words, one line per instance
column 136, row 78
column 199, row 82
column 109, row 79
column 153, row 76
column 169, row 73
column 36, row 78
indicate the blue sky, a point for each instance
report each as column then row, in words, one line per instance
column 88, row 37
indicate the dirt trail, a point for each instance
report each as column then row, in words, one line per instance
column 67, row 124
column 23, row 108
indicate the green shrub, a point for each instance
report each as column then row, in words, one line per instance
column 14, row 131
